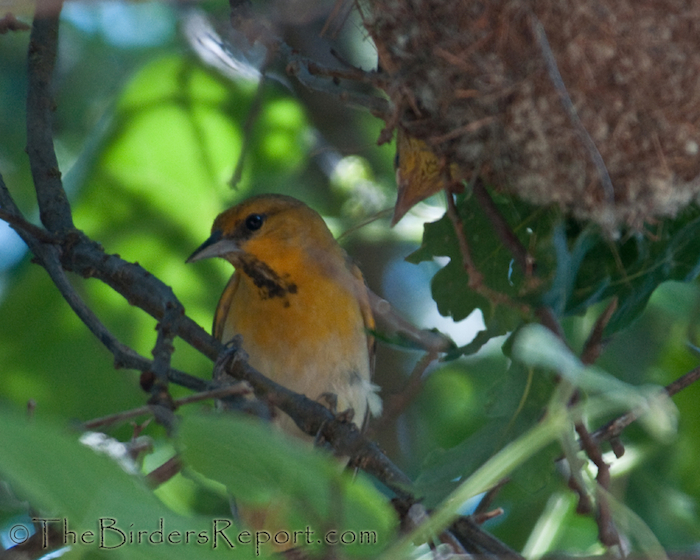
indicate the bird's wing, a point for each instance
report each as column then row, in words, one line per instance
column 368, row 318
column 223, row 307
column 367, row 315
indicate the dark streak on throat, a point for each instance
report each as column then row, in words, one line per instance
column 270, row 284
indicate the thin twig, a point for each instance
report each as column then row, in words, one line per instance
column 396, row 404
column 251, row 118
column 17, row 221
column 487, row 500
column 308, row 72
column 607, row 532
column 682, row 382
column 475, row 277
column 371, row 219
column 392, row 325
column 482, row 518
column 349, row 73
column 524, row 260
column 549, row 320
column 594, row 344
column 341, row 8
column 10, row 23
column 473, row 126
column 576, row 482
column 164, row 472
column 124, row 356
column 614, row 428
column 162, row 354
column 119, row 417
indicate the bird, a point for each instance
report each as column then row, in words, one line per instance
column 299, row 304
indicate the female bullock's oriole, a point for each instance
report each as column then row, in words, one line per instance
column 299, row 303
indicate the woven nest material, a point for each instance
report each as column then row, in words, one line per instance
column 590, row 104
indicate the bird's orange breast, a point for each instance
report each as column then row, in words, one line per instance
column 309, row 334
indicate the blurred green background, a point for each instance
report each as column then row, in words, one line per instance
column 148, row 137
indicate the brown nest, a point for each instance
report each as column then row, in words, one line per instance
column 593, row 105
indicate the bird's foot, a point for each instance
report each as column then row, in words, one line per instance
column 332, row 401
column 228, row 357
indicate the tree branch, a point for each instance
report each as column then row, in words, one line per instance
column 237, row 389
column 524, row 260
column 612, row 430
column 17, row 221
column 43, row 43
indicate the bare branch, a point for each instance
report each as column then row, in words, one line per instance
column 391, row 324
column 124, row 357
column 476, row 278
column 43, row 42
column 607, row 532
column 594, row 344
column 503, row 231
column 612, row 430
column 17, row 221
column 162, row 353
column 396, row 404
column 10, row 23
column 237, row 389
column 253, row 114
column 308, row 72
column 164, row 472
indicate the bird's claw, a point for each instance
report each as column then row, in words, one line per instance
column 331, row 400
column 346, row 415
column 231, row 354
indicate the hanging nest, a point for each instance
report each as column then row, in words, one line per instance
column 591, row 105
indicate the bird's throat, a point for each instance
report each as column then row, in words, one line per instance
column 269, row 283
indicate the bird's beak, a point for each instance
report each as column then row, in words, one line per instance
column 215, row 246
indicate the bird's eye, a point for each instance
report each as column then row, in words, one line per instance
column 254, row 221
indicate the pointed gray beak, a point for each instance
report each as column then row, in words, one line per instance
column 215, row 246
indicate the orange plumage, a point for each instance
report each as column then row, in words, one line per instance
column 299, row 303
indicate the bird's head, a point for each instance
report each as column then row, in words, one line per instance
column 269, row 228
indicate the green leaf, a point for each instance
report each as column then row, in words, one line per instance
column 576, row 267
column 516, row 401
column 632, row 268
column 261, row 466
column 568, row 264
column 450, row 284
column 489, row 473
column 536, row 346
column 444, row 470
column 65, row 480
